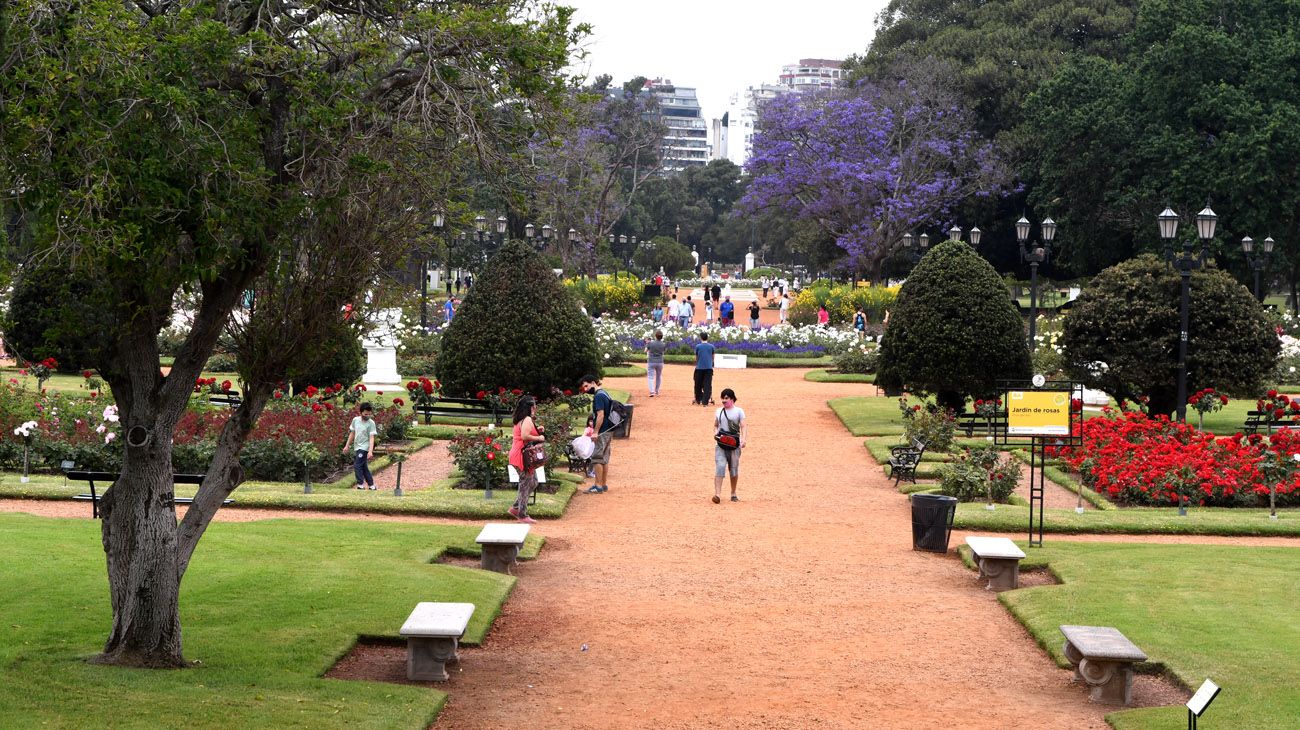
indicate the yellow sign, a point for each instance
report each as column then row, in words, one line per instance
column 1038, row 413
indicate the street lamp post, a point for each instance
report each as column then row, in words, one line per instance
column 439, row 220
column 914, row 250
column 1258, row 261
column 1185, row 263
column 1038, row 254
column 539, row 242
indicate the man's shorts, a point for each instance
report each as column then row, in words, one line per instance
column 601, row 454
column 724, row 458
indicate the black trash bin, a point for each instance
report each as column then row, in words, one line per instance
column 932, row 521
column 624, row 429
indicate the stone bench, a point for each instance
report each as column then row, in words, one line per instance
column 500, row 545
column 433, row 632
column 1103, row 657
column 999, row 561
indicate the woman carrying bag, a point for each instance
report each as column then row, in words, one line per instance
column 527, row 453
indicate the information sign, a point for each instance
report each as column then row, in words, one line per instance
column 1038, row 413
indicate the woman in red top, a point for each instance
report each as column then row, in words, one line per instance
column 525, row 431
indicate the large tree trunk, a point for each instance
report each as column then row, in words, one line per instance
column 139, row 535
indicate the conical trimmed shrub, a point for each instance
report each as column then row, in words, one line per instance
column 517, row 328
column 954, row 330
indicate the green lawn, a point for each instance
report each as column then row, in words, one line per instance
column 1226, row 613
column 868, row 416
column 624, row 371
column 1135, row 520
column 436, row 500
column 826, row 376
column 266, row 607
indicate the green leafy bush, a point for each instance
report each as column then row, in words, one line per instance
column 1127, row 318
column 517, row 328
column 980, row 475
column 607, row 296
column 222, row 362
column 842, row 302
column 481, row 459
column 954, row 331
column 759, row 272
column 862, row 358
column 934, row 425
column 665, row 254
column 56, row 312
column 338, row 358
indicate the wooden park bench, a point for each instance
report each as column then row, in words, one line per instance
column 999, row 561
column 458, row 408
column 433, row 632
column 1104, row 658
column 903, row 461
column 228, row 399
column 1257, row 421
column 577, row 464
column 500, row 545
column 91, row 477
column 972, row 423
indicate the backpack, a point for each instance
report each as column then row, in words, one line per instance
column 617, row 411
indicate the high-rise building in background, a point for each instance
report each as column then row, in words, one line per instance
column 811, row 73
column 687, row 142
column 733, row 136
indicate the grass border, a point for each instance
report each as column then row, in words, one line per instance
column 826, row 376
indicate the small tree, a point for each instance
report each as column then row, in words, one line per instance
column 517, row 328
column 953, row 331
column 1122, row 335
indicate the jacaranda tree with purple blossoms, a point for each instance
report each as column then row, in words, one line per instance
column 869, row 163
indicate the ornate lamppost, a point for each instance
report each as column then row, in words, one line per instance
column 540, row 242
column 954, row 234
column 914, row 250
column 1185, row 262
column 439, row 220
column 1037, row 253
column 1257, row 260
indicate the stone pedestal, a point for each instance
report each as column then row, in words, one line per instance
column 498, row 558
column 1003, row 573
column 749, row 261
column 381, row 352
column 427, row 658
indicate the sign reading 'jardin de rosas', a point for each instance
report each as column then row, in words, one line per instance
column 1038, row 413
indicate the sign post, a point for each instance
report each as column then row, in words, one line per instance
column 1039, row 414
column 1199, row 701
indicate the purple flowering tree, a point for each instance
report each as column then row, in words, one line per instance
column 587, row 174
column 867, row 164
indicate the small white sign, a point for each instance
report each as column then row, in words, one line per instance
column 726, row 361
column 1203, row 697
column 1039, row 380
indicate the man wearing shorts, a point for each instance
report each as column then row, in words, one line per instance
column 729, row 419
column 600, row 406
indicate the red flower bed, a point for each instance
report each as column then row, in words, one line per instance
column 1135, row 459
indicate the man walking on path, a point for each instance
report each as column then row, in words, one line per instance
column 654, row 362
column 674, row 309
column 600, row 407
column 704, row 371
column 753, row 316
column 449, row 309
column 717, row 293
column 362, row 432
column 728, row 312
column 729, row 420
column 687, row 313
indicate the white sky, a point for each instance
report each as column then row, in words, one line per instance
column 719, row 46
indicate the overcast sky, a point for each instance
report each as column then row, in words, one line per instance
column 719, row 46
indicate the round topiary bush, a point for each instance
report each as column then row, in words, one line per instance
column 953, row 331
column 338, row 358
column 57, row 312
column 517, row 328
column 1127, row 318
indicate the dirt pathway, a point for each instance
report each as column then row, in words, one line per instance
column 801, row 606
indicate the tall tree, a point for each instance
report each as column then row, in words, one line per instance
column 225, row 147
column 869, row 163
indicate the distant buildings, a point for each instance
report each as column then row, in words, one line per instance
column 687, row 142
column 733, row 134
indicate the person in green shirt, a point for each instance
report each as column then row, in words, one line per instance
column 362, row 432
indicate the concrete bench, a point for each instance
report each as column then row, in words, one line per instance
column 1103, row 657
column 433, row 632
column 999, row 561
column 500, row 545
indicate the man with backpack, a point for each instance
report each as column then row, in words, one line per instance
column 608, row 414
column 704, row 371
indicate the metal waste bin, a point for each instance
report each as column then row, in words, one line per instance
column 932, row 521
column 624, row 429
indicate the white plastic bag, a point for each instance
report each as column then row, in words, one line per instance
column 583, row 446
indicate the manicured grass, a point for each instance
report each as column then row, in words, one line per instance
column 1221, row 612
column 826, row 376
column 443, row 432
column 438, row 499
column 1135, row 520
column 266, row 607
column 868, row 416
column 624, row 371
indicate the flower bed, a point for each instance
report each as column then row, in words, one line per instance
column 1135, row 459
column 621, row 339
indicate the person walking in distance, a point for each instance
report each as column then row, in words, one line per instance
column 717, row 293
column 860, row 323
column 362, row 433
column 823, row 316
column 654, row 362
column 674, row 310
column 687, row 312
column 785, row 308
column 526, row 431
column 704, row 371
column 600, row 406
column 728, row 311
column 753, row 315
column 728, row 425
